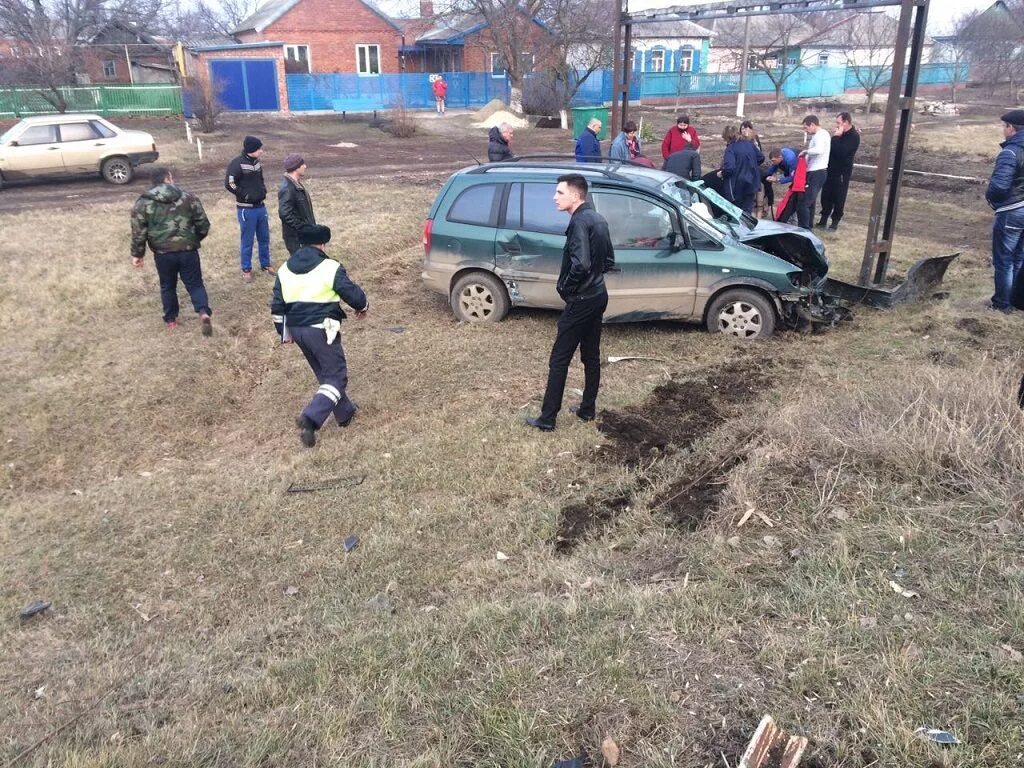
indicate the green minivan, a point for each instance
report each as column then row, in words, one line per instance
column 493, row 241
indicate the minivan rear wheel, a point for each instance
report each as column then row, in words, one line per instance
column 743, row 314
column 479, row 298
column 117, row 170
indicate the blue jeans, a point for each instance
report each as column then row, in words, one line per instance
column 253, row 223
column 1007, row 254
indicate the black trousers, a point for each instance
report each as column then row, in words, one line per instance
column 331, row 370
column 579, row 326
column 805, row 213
column 833, row 195
column 183, row 264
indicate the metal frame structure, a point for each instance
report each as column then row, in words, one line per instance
column 899, row 110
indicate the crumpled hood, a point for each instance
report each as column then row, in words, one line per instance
column 163, row 193
column 306, row 259
column 793, row 244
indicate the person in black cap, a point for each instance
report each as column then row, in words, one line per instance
column 1005, row 195
column 306, row 309
column 293, row 203
column 244, row 179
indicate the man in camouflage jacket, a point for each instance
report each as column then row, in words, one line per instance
column 173, row 223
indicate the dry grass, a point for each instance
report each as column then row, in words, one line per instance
column 145, row 477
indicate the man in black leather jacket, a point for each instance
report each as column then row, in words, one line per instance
column 293, row 203
column 587, row 255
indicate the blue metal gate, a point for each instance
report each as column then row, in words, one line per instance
column 247, row 85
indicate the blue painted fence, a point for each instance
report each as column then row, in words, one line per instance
column 346, row 92
column 357, row 93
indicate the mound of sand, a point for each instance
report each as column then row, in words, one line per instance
column 494, row 105
column 502, row 117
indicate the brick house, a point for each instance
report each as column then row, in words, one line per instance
column 327, row 35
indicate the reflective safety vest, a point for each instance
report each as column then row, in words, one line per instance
column 313, row 287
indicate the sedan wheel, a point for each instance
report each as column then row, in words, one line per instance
column 117, row 170
column 743, row 314
column 479, row 298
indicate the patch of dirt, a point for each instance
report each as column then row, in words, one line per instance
column 680, row 412
column 576, row 521
column 973, row 326
column 941, row 357
column 689, row 504
column 674, row 416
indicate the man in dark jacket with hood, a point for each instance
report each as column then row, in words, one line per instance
column 244, row 179
column 499, row 144
column 293, row 203
column 306, row 310
column 1005, row 195
column 173, row 223
column 587, row 255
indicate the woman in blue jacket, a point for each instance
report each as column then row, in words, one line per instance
column 741, row 169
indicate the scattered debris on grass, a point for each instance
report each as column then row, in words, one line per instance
column 772, row 747
column 381, row 602
column 33, row 609
column 351, row 542
column 614, row 359
column 902, row 591
column 348, row 481
column 578, row 520
column 937, row 736
column 573, row 762
column 610, row 751
column 501, row 557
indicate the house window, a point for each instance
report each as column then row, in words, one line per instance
column 527, row 60
column 686, row 60
column 296, row 59
column 368, row 59
column 657, row 61
column 791, row 61
column 497, row 65
column 823, row 59
column 110, row 69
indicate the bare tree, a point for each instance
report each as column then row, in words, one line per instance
column 952, row 51
column 224, row 16
column 775, row 43
column 869, row 39
column 579, row 43
column 50, row 30
column 512, row 30
column 992, row 41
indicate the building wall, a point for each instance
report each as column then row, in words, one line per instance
column 480, row 45
column 332, row 29
column 199, row 65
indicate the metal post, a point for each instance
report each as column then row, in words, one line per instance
column 894, row 108
column 907, row 101
column 627, row 74
column 617, row 67
column 742, row 95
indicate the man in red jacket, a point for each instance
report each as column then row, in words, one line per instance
column 440, row 88
column 682, row 136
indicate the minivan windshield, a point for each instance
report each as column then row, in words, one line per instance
column 685, row 191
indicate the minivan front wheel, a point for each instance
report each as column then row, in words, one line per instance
column 743, row 314
column 117, row 170
column 479, row 298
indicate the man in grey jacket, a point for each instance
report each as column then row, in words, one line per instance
column 293, row 203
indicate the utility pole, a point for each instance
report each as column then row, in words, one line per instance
column 617, row 118
column 742, row 95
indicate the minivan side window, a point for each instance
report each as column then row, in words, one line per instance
column 539, row 212
column 476, row 205
column 634, row 222
column 38, row 134
column 77, row 132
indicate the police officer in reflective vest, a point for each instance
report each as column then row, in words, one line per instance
column 306, row 310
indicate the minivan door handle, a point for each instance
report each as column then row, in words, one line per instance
column 511, row 247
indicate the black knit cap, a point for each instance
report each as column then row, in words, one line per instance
column 314, row 234
column 1014, row 117
column 251, row 144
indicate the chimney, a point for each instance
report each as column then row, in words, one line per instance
column 426, row 9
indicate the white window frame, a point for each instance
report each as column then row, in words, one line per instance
column 823, row 58
column 309, row 55
column 113, row 66
column 527, row 56
column 686, row 57
column 658, row 60
column 496, row 57
column 367, row 47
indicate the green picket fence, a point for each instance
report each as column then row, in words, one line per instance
column 106, row 100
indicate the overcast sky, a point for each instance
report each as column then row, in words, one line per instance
column 940, row 12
